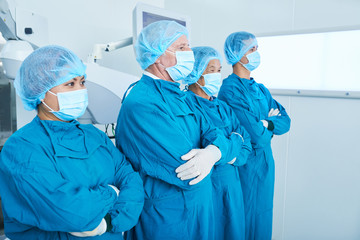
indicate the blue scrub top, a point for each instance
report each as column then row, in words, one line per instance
column 54, row 179
column 227, row 190
column 251, row 103
column 223, row 117
column 158, row 124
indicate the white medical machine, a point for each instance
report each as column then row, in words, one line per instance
column 25, row 31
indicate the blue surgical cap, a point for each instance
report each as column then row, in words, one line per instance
column 155, row 39
column 237, row 44
column 44, row 69
column 203, row 55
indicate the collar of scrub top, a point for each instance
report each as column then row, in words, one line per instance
column 170, row 87
column 212, row 108
column 212, row 103
column 251, row 86
column 150, row 75
column 146, row 73
column 71, row 139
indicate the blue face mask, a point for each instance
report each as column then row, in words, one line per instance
column 72, row 104
column 184, row 65
column 254, row 61
column 212, row 83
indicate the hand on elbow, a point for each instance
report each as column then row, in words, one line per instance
column 199, row 163
column 265, row 123
column 274, row 113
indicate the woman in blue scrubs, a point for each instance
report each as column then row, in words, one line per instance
column 227, row 191
column 172, row 146
column 60, row 179
column 262, row 117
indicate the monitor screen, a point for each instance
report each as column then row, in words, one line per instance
column 149, row 18
column 313, row 61
column 145, row 14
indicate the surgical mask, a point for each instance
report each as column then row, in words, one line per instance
column 71, row 104
column 254, row 61
column 184, row 66
column 212, row 83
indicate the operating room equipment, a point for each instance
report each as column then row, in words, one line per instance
column 25, row 31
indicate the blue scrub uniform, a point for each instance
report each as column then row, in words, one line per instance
column 158, row 124
column 227, row 191
column 251, row 103
column 54, row 179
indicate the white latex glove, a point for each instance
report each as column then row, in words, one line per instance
column 265, row 123
column 99, row 230
column 115, row 189
column 232, row 161
column 274, row 112
column 199, row 163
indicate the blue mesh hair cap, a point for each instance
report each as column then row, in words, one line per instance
column 203, row 55
column 237, row 44
column 155, row 39
column 44, row 69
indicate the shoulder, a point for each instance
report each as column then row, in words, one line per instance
column 228, row 82
column 232, row 85
column 141, row 95
column 33, row 132
column 224, row 105
column 93, row 131
column 144, row 87
column 233, row 94
column 262, row 87
column 226, row 108
column 96, row 135
column 28, row 144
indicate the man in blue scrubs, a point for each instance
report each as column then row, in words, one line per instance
column 227, row 191
column 167, row 141
column 262, row 117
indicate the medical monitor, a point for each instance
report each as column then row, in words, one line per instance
column 145, row 14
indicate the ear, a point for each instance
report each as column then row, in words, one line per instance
column 243, row 60
column 201, row 81
column 158, row 60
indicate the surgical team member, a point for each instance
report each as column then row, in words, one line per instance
column 164, row 138
column 262, row 117
column 227, row 192
column 60, row 179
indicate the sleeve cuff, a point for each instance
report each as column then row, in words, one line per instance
column 108, row 222
column 270, row 126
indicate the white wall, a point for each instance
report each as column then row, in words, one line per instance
column 317, row 170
